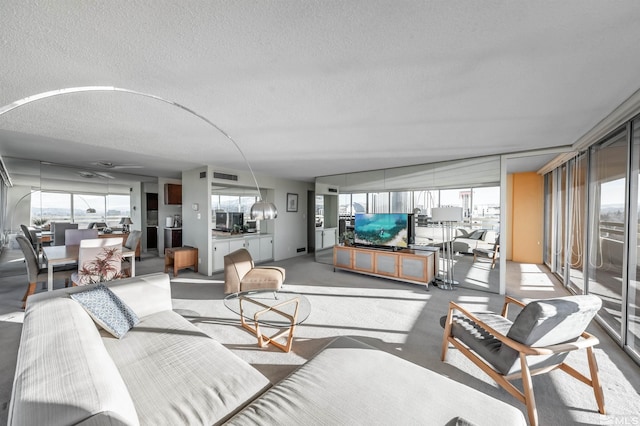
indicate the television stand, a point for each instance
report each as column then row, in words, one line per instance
column 406, row 265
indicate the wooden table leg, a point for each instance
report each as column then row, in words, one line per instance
column 264, row 340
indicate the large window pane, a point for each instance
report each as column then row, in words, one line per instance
column 378, row 202
column 607, row 234
column 458, row 198
column 561, row 216
column 51, row 207
column 400, row 202
column 345, row 208
column 577, row 222
column 633, row 300
column 548, row 221
column 91, row 208
column 118, row 206
column 485, row 209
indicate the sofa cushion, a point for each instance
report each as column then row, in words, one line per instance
column 351, row 383
column 176, row 374
column 64, row 374
column 107, row 309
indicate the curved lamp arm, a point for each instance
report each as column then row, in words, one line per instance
column 260, row 210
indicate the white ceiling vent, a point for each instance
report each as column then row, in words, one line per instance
column 225, row 176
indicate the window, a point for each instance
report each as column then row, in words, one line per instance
column 607, row 209
column 378, row 202
column 118, row 206
column 577, row 221
column 425, row 201
column 90, row 208
column 47, row 207
column 50, row 207
column 485, row 208
column 232, row 203
column 400, row 202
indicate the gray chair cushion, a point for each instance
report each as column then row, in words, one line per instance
column 540, row 323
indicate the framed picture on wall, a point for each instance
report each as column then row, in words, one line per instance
column 292, row 202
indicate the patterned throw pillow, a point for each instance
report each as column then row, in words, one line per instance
column 107, row 310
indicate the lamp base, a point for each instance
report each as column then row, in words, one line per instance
column 445, row 284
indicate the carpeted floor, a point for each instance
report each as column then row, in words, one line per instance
column 399, row 318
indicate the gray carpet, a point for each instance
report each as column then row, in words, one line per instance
column 402, row 319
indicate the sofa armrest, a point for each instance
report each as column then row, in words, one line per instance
column 145, row 294
column 64, row 373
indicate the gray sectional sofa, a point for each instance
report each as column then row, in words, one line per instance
column 166, row 371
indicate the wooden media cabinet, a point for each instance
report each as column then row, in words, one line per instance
column 407, row 265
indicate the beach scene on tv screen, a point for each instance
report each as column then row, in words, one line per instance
column 381, row 229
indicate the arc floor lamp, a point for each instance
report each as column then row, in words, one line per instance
column 260, row 210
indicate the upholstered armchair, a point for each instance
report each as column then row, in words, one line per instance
column 240, row 274
column 537, row 341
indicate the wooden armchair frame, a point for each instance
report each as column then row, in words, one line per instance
column 526, row 396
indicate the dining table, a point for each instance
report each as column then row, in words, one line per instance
column 62, row 255
column 42, row 237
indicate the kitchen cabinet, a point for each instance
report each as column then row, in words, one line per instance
column 152, row 237
column 266, row 248
column 326, row 238
column 172, row 237
column 172, row 193
column 253, row 247
column 260, row 248
column 152, row 201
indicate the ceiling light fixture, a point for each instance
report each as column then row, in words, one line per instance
column 261, row 210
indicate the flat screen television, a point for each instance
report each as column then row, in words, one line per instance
column 384, row 229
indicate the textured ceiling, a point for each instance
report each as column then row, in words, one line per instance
column 310, row 88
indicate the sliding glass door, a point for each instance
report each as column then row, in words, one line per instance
column 607, row 210
column 633, row 294
column 577, row 222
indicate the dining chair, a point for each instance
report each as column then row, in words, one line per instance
column 132, row 243
column 58, row 230
column 72, row 237
column 35, row 273
column 537, row 341
column 99, row 260
column 30, row 234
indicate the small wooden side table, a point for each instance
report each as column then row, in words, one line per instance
column 180, row 258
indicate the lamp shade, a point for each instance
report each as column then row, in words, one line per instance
column 125, row 221
column 91, row 210
column 446, row 214
column 263, row 210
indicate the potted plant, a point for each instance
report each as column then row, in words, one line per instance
column 106, row 266
column 39, row 222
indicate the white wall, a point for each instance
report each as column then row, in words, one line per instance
column 18, row 208
column 136, row 206
column 196, row 224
